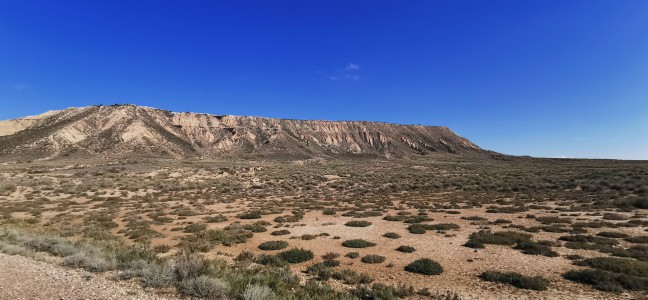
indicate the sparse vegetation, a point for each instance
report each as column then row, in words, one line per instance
column 516, row 279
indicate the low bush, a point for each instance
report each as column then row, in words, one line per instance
column 352, row 255
column 613, row 216
column 417, row 229
column 348, row 276
column 358, row 223
column 637, row 239
column 612, row 234
column 424, row 266
column 157, row 275
column 516, row 279
column 474, row 243
column 249, row 215
column 258, row 292
column 373, row 259
column 215, row 219
column 91, row 262
column 193, row 228
column 330, row 256
column 270, row 260
column 382, row 291
column 501, row 237
column 295, row 256
column 320, row 270
column 392, row 235
column 608, row 281
column 535, row 249
column 204, row 287
column 442, row 226
column 273, row 245
column 405, row 249
column 358, row 243
column 617, row 265
column 280, row 232
column 329, row 211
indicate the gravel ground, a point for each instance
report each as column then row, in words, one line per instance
column 25, row 278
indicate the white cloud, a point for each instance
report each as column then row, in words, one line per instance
column 350, row 72
column 351, row 67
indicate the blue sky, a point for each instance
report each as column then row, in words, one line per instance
column 542, row 78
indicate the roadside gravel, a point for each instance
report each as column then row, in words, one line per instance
column 26, row 278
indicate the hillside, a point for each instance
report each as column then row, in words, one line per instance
column 126, row 130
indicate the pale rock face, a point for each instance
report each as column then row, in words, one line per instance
column 123, row 130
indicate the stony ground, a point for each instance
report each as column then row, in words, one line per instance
column 26, row 278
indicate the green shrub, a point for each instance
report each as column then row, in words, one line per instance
column 258, row 292
column 613, row 216
column 280, row 232
column 330, row 256
column 612, row 234
column 216, row 219
column 383, row 292
column 190, row 265
column 373, row 259
column 295, row 256
column 329, row 211
column 359, row 223
column 320, row 270
column 424, row 266
column 417, row 229
column 250, row 215
column 273, row 245
column 608, row 281
column 501, row 237
column 516, row 279
column 392, row 235
column 256, row 227
column 535, row 249
column 553, row 220
column 352, row 255
column 442, row 226
column 157, row 275
column 349, row 276
column 91, row 262
column 357, row 243
column 204, row 287
column 617, row 265
column 270, row 260
column 405, row 249
column 332, row 263
column 474, row 243
column 193, row 228
column 637, row 239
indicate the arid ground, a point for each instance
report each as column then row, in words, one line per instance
column 443, row 227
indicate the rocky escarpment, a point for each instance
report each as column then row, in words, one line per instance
column 125, row 130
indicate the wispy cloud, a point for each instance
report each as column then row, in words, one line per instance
column 349, row 72
column 351, row 67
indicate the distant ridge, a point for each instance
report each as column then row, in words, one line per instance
column 127, row 130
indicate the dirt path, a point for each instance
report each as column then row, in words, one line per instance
column 25, row 278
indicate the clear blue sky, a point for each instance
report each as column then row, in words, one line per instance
column 542, row 78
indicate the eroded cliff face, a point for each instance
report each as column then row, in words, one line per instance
column 123, row 130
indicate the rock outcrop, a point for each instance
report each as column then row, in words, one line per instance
column 126, row 130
